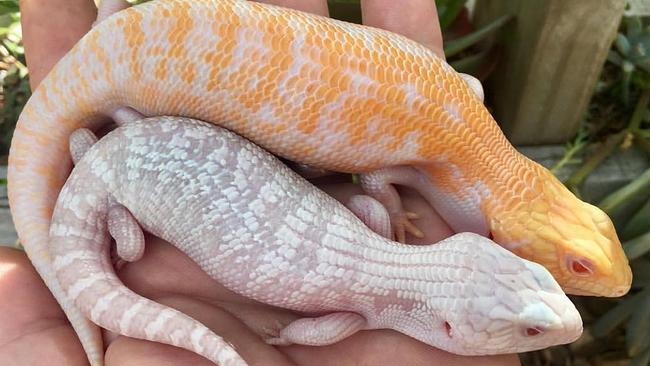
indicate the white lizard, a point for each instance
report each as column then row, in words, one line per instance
column 277, row 239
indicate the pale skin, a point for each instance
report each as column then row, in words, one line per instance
column 33, row 330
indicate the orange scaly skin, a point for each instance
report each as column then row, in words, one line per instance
column 322, row 92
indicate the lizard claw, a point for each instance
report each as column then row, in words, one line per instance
column 411, row 215
column 403, row 225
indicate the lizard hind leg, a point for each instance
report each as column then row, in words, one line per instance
column 80, row 142
column 125, row 115
column 320, row 331
column 128, row 235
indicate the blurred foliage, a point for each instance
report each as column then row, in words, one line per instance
column 617, row 331
column 632, row 55
column 14, row 84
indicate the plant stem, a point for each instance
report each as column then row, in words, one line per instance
column 634, row 248
column 637, row 186
column 457, row 45
column 642, row 142
column 573, row 148
column 612, row 142
column 639, row 111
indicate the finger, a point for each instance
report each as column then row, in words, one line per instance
column 50, row 29
column 166, row 270
column 248, row 344
column 386, row 347
column 106, row 8
column 415, row 19
column 30, row 316
column 311, row 6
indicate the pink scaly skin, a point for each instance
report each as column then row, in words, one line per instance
column 280, row 241
column 372, row 213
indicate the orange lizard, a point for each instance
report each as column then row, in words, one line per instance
column 322, row 92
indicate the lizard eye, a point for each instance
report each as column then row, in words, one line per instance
column 533, row 331
column 580, row 266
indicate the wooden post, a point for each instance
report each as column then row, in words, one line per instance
column 552, row 56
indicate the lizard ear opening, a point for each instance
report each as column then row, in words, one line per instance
column 448, row 329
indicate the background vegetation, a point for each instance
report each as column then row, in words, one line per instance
column 14, row 84
column 617, row 330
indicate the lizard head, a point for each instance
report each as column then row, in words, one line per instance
column 574, row 240
column 502, row 304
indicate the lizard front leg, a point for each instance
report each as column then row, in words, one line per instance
column 461, row 213
column 379, row 185
column 334, row 327
column 320, row 331
column 105, row 9
column 473, row 84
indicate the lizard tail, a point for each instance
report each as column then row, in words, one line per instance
column 39, row 159
column 82, row 265
column 33, row 187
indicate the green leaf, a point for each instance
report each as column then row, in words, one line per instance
column 634, row 26
column 614, row 58
column 622, row 44
column 637, row 247
column 615, row 316
column 637, row 336
column 448, row 11
column 470, row 64
column 644, row 64
column 638, row 224
column 457, row 45
column 346, row 10
column 640, row 185
column 8, row 6
column 6, row 20
column 641, row 278
column 642, row 359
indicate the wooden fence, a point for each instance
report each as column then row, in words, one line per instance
column 552, row 56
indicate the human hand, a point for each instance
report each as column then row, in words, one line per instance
column 169, row 277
